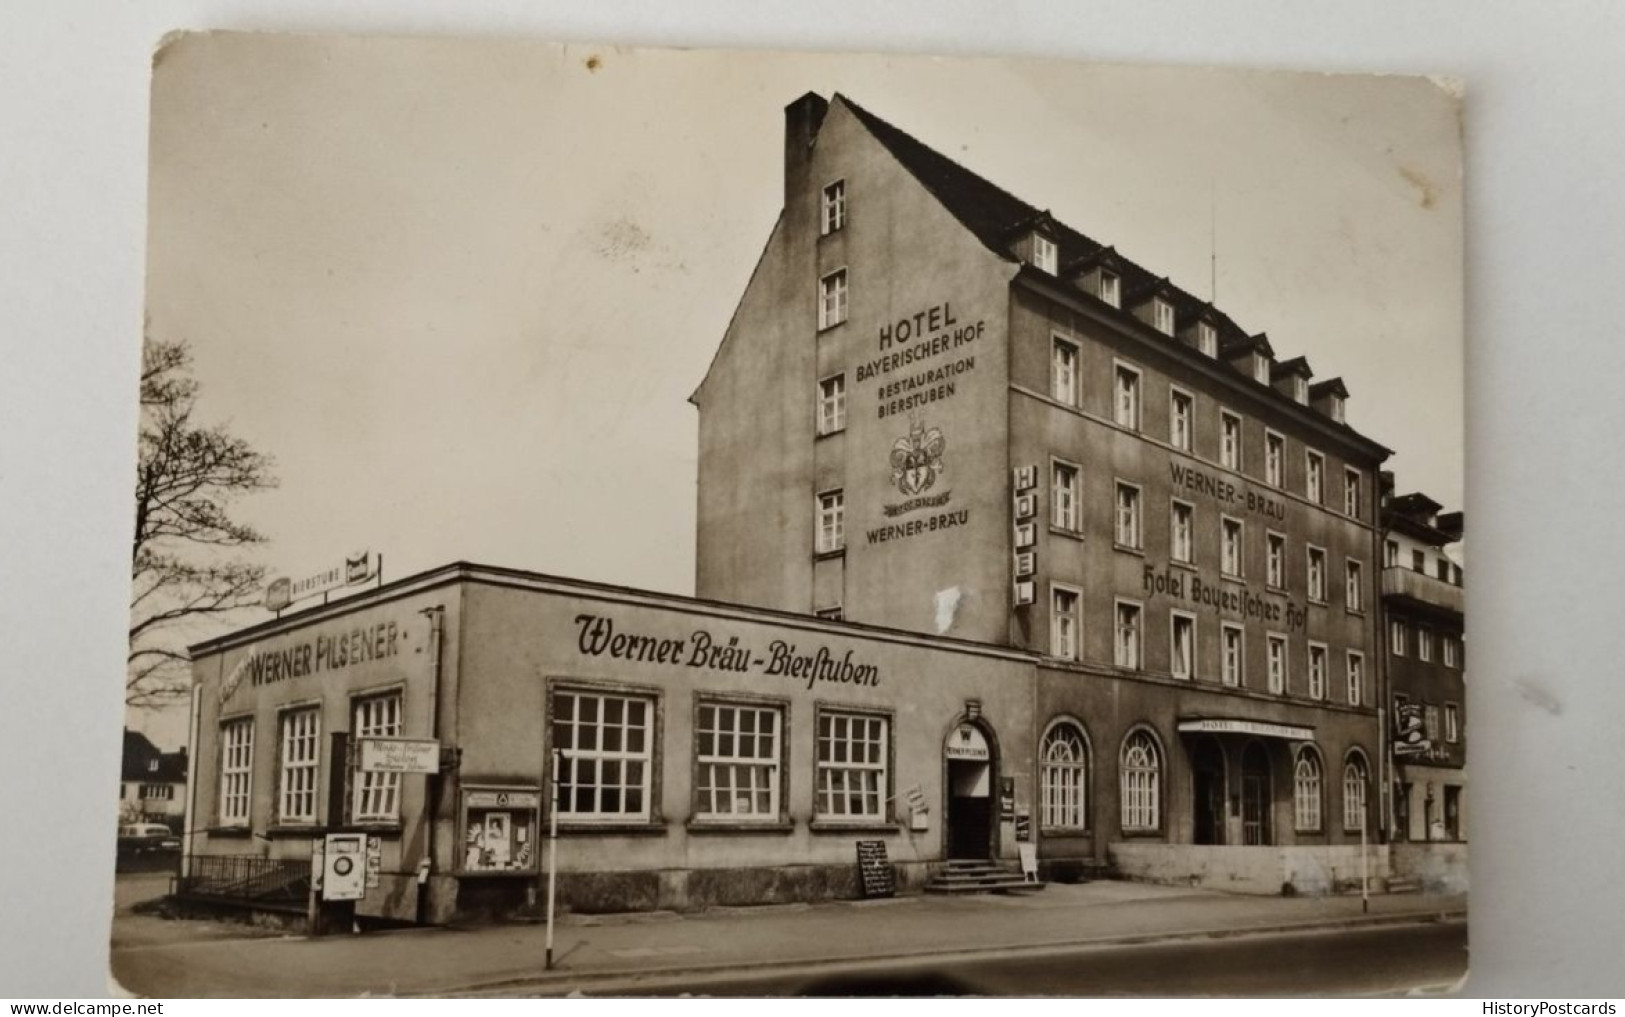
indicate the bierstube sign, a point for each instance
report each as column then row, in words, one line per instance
column 400, row 755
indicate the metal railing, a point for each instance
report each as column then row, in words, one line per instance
column 246, row 877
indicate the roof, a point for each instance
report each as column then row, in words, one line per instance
column 1297, row 365
column 144, row 762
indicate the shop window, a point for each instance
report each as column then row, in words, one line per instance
column 833, row 215
column 853, row 780
column 300, row 752
column 1306, row 790
column 1064, row 372
column 1182, row 644
column 1127, row 412
column 1314, row 477
column 1064, row 622
column 1356, row 780
column 1277, row 663
column 1141, row 770
column 500, row 827
column 1317, row 574
column 831, row 521
column 1064, row 777
column 1064, row 496
column 1181, row 412
column 1356, row 677
column 1317, row 671
column 1127, row 652
column 832, row 404
column 1231, row 544
column 1181, row 521
column 1128, row 515
column 606, row 742
column 376, row 796
column 832, row 299
column 1276, row 560
column 1229, row 440
column 1274, row 459
column 737, row 751
column 236, row 770
column 1234, row 656
column 1353, row 585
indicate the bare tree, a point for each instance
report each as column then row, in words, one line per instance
column 184, row 560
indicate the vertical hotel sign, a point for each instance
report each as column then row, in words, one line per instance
column 356, row 569
column 1024, row 510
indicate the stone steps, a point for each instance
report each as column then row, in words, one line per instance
column 965, row 876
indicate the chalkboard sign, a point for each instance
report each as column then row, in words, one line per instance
column 874, row 869
column 1024, row 827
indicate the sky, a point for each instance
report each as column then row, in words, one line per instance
column 461, row 290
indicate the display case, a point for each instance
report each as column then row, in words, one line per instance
column 497, row 830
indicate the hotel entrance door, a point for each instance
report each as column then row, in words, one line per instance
column 970, row 819
column 1255, row 795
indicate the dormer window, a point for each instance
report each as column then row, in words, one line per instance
column 1109, row 288
column 1044, row 255
column 1207, row 339
column 1261, row 370
column 1337, row 409
column 1162, row 316
column 1300, row 389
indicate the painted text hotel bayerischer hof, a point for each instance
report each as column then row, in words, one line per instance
column 1003, row 539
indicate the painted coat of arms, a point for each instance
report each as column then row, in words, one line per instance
column 916, row 460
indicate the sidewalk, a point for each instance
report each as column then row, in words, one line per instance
column 604, row 950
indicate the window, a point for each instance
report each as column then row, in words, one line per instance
column 1064, row 372
column 1044, row 253
column 1452, row 723
column 1109, row 288
column 1353, row 585
column 831, row 521
column 1261, row 369
column 1390, row 553
column 1064, row 495
column 832, row 404
column 1233, row 655
column 1207, row 339
column 1306, row 777
column 1430, row 722
column 1180, row 539
column 1230, row 440
column 1063, row 777
column 1127, row 412
column 1424, row 644
column 1317, row 671
column 1142, row 782
column 1182, row 648
column 236, row 770
column 1064, row 622
column 606, row 740
column 1277, row 663
column 1315, row 477
column 1396, row 637
column 1276, row 561
column 852, row 767
column 1231, row 539
column 301, row 753
column 1300, row 389
column 1356, row 775
column 1274, row 459
column 1317, row 574
column 1452, row 812
column 1162, row 316
column 1356, row 678
column 834, row 208
column 737, row 749
column 157, row 792
column 376, row 796
column 1442, row 568
column 1180, row 408
column 1127, row 649
column 832, row 299
column 1128, row 515
column 1337, row 408
column 1449, row 650
column 1351, row 493
column 1419, row 562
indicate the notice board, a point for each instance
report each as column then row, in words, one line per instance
column 874, row 869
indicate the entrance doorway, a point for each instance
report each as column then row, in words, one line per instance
column 1255, row 795
column 1207, row 791
column 970, row 819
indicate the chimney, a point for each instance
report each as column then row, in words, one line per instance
column 802, row 119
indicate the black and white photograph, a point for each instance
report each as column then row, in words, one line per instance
column 745, row 523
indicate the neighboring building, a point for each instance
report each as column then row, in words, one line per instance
column 940, row 409
column 1425, row 662
column 152, row 783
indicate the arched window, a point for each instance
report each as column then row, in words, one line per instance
column 1064, row 776
column 1356, row 777
column 1306, row 775
column 1141, row 768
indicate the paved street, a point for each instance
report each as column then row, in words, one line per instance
column 998, row 944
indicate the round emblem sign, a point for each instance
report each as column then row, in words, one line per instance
column 342, row 866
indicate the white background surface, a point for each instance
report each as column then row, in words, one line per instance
column 1545, row 217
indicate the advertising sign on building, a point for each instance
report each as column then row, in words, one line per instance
column 354, row 570
column 400, row 755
